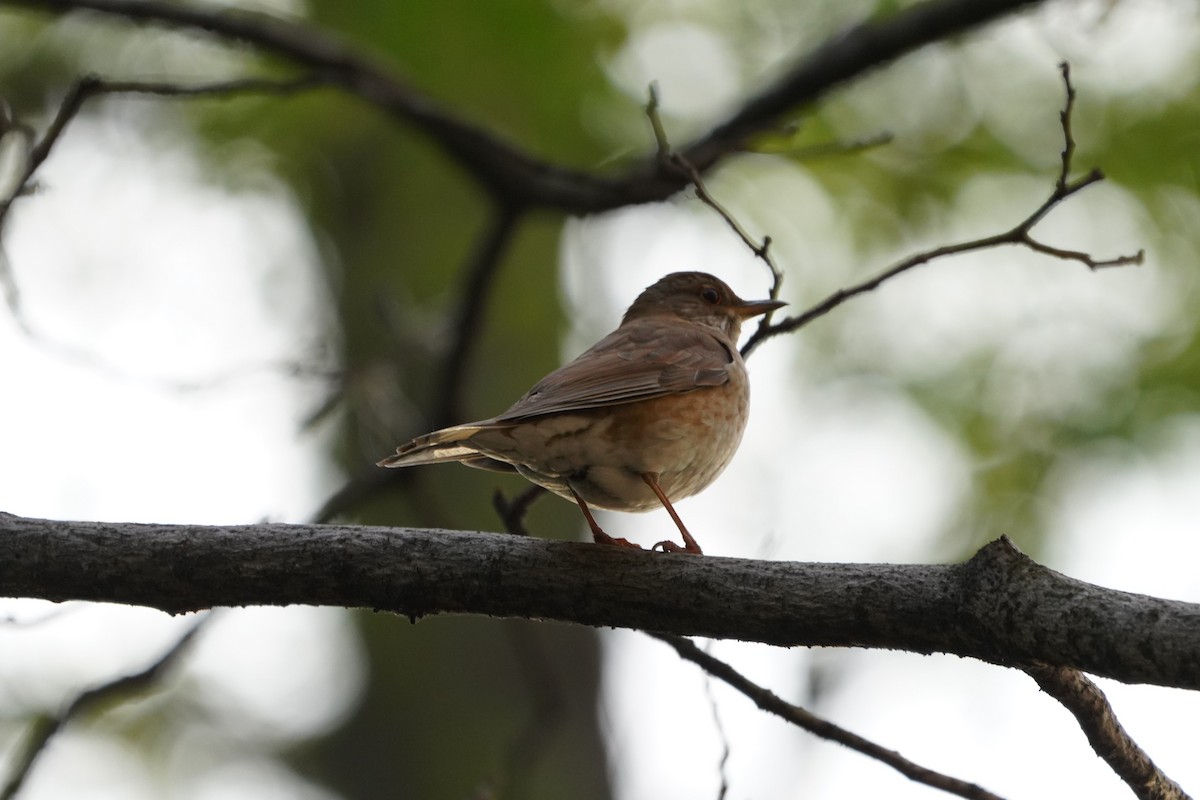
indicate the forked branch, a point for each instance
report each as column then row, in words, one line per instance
column 1020, row 235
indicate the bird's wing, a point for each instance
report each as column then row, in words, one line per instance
column 640, row 360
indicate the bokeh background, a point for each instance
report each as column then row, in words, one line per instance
column 220, row 311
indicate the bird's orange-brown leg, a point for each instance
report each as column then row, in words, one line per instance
column 597, row 532
column 689, row 544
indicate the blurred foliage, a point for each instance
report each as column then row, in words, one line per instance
column 452, row 700
column 397, row 221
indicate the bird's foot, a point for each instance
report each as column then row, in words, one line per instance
column 667, row 546
column 603, row 538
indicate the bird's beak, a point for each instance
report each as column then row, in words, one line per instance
column 752, row 308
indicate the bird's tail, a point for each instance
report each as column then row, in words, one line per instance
column 448, row 444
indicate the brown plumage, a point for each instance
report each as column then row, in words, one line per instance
column 650, row 414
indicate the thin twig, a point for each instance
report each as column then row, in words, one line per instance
column 1104, row 732
column 39, row 150
column 1064, row 118
column 673, row 160
column 678, row 163
column 479, row 277
column 661, row 144
column 90, row 86
column 723, row 762
column 802, row 718
column 478, row 283
column 46, row 728
column 512, row 512
column 1020, row 235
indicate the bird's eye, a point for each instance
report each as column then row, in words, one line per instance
column 710, row 295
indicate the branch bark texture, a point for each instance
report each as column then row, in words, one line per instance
column 999, row 607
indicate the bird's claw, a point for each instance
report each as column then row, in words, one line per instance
column 603, row 538
column 667, row 546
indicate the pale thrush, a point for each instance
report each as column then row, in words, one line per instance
column 652, row 413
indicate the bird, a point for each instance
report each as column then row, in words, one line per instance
column 649, row 415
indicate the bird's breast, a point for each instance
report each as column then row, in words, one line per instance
column 685, row 439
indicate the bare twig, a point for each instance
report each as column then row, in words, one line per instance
column 1108, row 738
column 723, row 762
column 513, row 517
column 91, row 86
column 40, row 148
column 45, row 729
column 1020, row 235
column 479, row 278
column 679, row 163
column 366, row 484
column 480, row 272
column 802, row 718
column 512, row 512
column 1064, row 118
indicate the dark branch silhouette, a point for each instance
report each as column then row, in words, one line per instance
column 43, row 730
column 91, row 86
column 40, row 148
column 476, row 292
column 802, row 718
column 1108, row 738
column 521, row 178
column 512, row 515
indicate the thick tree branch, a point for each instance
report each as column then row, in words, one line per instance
column 520, row 178
column 842, row 58
column 999, row 607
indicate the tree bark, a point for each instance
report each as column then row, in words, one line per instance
column 999, row 606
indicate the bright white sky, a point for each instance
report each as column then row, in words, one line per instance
column 140, row 275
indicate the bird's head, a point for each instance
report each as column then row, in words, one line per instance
column 700, row 298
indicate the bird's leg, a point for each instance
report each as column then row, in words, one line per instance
column 597, row 532
column 689, row 544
